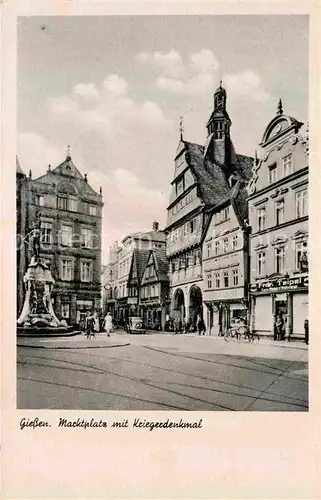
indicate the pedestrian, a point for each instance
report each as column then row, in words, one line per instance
column 96, row 326
column 89, row 325
column 201, row 325
column 306, row 331
column 108, row 324
column 278, row 327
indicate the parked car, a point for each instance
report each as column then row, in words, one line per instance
column 135, row 325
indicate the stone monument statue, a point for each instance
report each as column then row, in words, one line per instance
column 37, row 310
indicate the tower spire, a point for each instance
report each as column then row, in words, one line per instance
column 280, row 107
column 181, row 127
column 68, row 156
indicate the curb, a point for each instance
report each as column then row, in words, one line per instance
column 73, row 344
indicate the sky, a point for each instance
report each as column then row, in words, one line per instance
column 114, row 89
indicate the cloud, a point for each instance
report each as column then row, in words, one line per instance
column 115, row 85
column 196, row 76
column 246, row 84
column 204, row 62
column 36, row 153
column 168, row 63
column 118, row 141
column 124, row 194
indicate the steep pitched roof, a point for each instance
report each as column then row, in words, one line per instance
column 139, row 261
column 19, row 170
column 161, row 264
column 209, row 175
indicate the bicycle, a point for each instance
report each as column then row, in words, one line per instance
column 244, row 333
column 231, row 333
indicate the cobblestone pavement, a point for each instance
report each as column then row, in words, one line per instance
column 161, row 371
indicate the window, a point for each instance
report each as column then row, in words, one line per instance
column 209, row 280
column 92, row 210
column 62, row 202
column 186, row 227
column 192, row 225
column 180, row 186
column 261, row 219
column 218, row 129
column 225, row 213
column 85, row 272
column 66, row 235
column 175, row 235
column 235, row 274
column 279, row 259
column 46, row 232
column 279, row 212
column 261, row 263
column 225, row 279
column 301, row 256
column 234, row 242
column 217, row 247
column 152, row 271
column 66, row 269
column 287, row 165
column 209, row 249
column 65, row 310
column 272, row 173
column 217, row 280
column 72, row 204
column 39, row 200
column 225, row 245
column 217, row 217
column 87, row 238
column 301, row 203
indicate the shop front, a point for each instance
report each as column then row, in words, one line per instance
column 283, row 299
column 221, row 314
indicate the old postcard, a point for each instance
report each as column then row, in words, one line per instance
column 160, row 227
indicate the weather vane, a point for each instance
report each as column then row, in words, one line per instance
column 68, row 151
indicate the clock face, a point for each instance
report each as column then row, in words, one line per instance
column 278, row 128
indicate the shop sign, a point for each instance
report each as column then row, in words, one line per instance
column 280, row 285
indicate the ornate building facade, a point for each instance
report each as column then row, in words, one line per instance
column 202, row 179
column 125, row 259
column 278, row 209
column 69, row 212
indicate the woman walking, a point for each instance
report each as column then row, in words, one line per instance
column 108, row 324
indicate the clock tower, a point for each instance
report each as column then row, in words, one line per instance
column 219, row 146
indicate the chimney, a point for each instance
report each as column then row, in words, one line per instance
column 155, row 225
